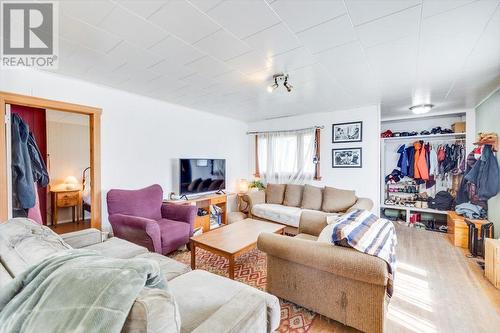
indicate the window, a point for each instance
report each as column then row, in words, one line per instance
column 288, row 157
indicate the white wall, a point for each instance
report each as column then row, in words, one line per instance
column 366, row 180
column 142, row 138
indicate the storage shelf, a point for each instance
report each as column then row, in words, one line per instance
column 424, row 137
column 415, row 209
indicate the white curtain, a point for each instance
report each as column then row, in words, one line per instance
column 287, row 157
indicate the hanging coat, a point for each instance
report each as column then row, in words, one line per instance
column 433, row 161
column 485, row 174
column 403, row 160
column 421, row 171
column 22, row 174
column 410, row 153
column 463, row 193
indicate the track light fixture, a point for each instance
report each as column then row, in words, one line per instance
column 280, row 78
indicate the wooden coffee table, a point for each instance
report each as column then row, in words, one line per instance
column 232, row 240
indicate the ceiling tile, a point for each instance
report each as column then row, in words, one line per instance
column 292, row 60
column 273, row 40
column 184, row 21
column 362, row 11
column 132, row 28
column 434, row 7
column 144, row 8
column 126, row 52
column 329, row 34
column 243, row 18
column 345, row 54
column 222, row 45
column 209, row 67
column 176, row 51
column 300, row 15
column 90, row 11
column 205, row 5
column 87, row 35
column 171, row 70
column 250, row 62
column 390, row 28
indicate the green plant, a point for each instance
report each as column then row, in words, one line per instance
column 256, row 184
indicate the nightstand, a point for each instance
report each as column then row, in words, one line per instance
column 65, row 198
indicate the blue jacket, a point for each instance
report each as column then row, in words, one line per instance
column 485, row 174
column 403, row 160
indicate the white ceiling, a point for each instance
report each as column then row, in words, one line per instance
column 219, row 55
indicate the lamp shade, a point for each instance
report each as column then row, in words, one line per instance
column 243, row 186
column 71, row 182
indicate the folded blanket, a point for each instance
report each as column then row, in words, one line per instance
column 367, row 233
column 76, row 291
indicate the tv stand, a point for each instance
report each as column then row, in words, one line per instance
column 204, row 202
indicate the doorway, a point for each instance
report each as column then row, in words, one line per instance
column 7, row 100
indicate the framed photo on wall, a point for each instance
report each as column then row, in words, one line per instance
column 347, row 158
column 347, row 132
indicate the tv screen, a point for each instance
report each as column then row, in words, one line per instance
column 202, row 175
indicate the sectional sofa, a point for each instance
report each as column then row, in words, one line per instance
column 292, row 205
column 206, row 302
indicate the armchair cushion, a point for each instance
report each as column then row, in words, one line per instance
column 145, row 202
column 337, row 200
column 173, row 233
column 180, row 213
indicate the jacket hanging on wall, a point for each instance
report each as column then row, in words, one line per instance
column 485, row 174
column 27, row 165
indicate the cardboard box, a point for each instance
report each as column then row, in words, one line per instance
column 458, row 127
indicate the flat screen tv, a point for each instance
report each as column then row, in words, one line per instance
column 199, row 175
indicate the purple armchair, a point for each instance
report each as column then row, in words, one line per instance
column 141, row 217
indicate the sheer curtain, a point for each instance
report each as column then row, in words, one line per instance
column 287, row 157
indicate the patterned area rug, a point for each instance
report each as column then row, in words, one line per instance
column 250, row 269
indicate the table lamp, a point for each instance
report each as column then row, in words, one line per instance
column 243, row 186
column 71, row 183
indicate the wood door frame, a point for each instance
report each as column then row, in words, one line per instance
column 95, row 147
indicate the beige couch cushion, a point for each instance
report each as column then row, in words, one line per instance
column 200, row 294
column 325, row 235
column 337, row 200
column 312, row 197
column 275, row 193
column 169, row 267
column 278, row 213
column 293, row 195
column 24, row 243
column 154, row 311
column 118, row 248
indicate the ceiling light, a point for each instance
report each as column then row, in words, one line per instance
column 280, row 78
column 421, row 108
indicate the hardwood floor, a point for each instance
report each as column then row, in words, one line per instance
column 63, row 228
column 437, row 289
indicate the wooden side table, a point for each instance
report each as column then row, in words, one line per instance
column 492, row 261
column 65, row 198
column 458, row 230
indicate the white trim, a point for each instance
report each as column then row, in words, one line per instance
column 460, row 112
column 489, row 95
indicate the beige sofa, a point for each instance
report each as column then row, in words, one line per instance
column 291, row 204
column 206, row 302
column 337, row 282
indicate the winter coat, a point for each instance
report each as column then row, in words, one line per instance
column 433, row 161
column 485, row 174
column 421, row 171
column 410, row 153
column 403, row 160
column 22, row 175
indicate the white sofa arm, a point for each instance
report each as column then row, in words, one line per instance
column 82, row 238
column 244, row 313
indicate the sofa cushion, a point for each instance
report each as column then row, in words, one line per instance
column 154, row 310
column 4, row 276
column 24, row 243
column 173, row 233
column 82, row 238
column 278, row 213
column 200, row 294
column 306, row 237
column 118, row 248
column 325, row 235
column 337, row 200
column 312, row 197
column 293, row 195
column 275, row 193
column 170, row 268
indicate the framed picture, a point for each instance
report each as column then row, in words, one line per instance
column 347, row 132
column 347, row 158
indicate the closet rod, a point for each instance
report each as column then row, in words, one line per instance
column 285, row 131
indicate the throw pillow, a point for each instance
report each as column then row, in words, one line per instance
column 337, row 200
column 293, row 195
column 312, row 197
column 275, row 193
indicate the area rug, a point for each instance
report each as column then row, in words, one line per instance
column 250, row 269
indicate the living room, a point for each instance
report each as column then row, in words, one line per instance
column 308, row 116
